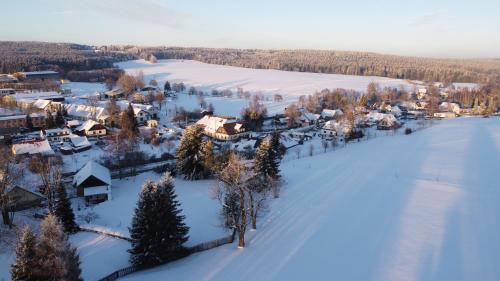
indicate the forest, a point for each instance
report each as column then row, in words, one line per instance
column 81, row 61
column 338, row 62
column 73, row 59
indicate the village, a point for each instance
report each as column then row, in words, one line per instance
column 99, row 140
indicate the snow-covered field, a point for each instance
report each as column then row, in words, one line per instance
column 290, row 85
column 417, row 207
column 201, row 211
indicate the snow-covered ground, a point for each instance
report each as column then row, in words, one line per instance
column 410, row 207
column 100, row 255
column 201, row 211
column 290, row 85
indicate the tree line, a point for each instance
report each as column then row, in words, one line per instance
column 338, row 62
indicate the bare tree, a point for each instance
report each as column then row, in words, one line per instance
column 232, row 193
column 10, row 173
column 50, row 173
column 292, row 113
column 92, row 102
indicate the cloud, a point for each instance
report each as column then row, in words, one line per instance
column 64, row 12
column 432, row 19
column 142, row 11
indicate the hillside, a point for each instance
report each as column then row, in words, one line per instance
column 417, row 207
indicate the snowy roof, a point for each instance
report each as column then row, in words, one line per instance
column 73, row 123
column 42, row 147
column 212, row 123
column 40, row 72
column 93, row 169
column 87, row 125
column 377, row 116
column 331, row 112
column 41, row 104
column 57, row 131
column 85, row 111
column 37, row 95
column 79, row 141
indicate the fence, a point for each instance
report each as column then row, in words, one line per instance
column 191, row 250
column 104, row 233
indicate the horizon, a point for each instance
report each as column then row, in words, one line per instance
column 434, row 30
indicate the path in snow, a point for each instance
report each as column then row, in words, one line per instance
column 418, row 207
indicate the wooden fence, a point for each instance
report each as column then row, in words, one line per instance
column 191, row 250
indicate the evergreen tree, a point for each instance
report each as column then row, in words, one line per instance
column 207, row 155
column 59, row 118
column 63, row 210
column 266, row 162
column 29, row 122
column 49, row 120
column 276, row 146
column 158, row 230
column 57, row 260
column 128, row 123
column 189, row 161
column 22, row 268
column 167, row 87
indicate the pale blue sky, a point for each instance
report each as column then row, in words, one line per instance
column 439, row 28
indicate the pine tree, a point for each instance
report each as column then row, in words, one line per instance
column 49, row 120
column 29, row 122
column 189, row 161
column 207, row 155
column 158, row 230
column 266, row 162
column 59, row 121
column 57, row 260
column 64, row 212
column 22, row 268
column 167, row 87
column 276, row 145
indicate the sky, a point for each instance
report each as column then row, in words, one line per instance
column 438, row 28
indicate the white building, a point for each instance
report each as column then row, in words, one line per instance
column 93, row 182
column 223, row 128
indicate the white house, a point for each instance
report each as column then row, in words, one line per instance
column 91, row 128
column 450, row 107
column 93, row 182
column 331, row 113
column 56, row 134
column 223, row 128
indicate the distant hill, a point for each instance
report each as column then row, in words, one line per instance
column 64, row 57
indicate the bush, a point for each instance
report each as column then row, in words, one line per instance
column 408, row 131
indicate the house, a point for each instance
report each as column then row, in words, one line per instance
column 7, row 78
column 7, row 91
column 32, row 147
column 79, row 143
column 93, row 182
column 57, row 134
column 309, row 119
column 18, row 121
column 152, row 123
column 86, row 112
column 388, row 122
column 450, row 107
column 114, row 94
column 334, row 128
column 21, row 199
column 72, row 124
column 223, row 128
column 33, row 75
column 91, row 128
column 445, row 114
column 329, row 114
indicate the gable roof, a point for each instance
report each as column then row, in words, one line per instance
column 87, row 125
column 93, row 169
column 42, row 147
